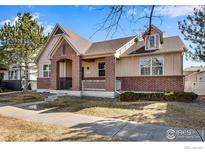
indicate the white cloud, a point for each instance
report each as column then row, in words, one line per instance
column 35, row 16
column 11, row 21
column 5, row 21
column 132, row 11
column 14, row 19
column 175, row 11
column 48, row 29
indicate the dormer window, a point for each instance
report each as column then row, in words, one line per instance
column 152, row 42
column 153, row 38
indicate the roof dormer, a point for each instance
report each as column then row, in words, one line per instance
column 153, row 38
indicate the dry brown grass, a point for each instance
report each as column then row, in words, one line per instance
column 12, row 129
column 163, row 113
column 21, row 98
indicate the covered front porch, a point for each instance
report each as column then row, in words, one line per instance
column 72, row 73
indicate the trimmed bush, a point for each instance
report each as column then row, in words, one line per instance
column 172, row 96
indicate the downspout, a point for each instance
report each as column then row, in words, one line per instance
column 116, row 78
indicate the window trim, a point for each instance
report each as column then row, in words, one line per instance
column 151, row 74
column 49, row 70
column 154, row 45
column 155, row 42
column 101, row 69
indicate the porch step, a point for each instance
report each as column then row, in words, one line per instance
column 51, row 98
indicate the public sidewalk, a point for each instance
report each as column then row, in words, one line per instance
column 117, row 129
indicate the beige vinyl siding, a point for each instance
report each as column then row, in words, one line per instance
column 44, row 58
column 93, row 67
column 129, row 66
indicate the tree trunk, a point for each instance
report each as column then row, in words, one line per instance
column 26, row 77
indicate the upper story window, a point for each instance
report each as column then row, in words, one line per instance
column 152, row 66
column 152, row 42
column 46, row 71
column 101, row 69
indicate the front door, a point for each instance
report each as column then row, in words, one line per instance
column 65, row 75
column 82, row 73
column 64, row 83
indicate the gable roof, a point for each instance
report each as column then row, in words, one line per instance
column 152, row 27
column 80, row 43
column 194, row 69
column 87, row 48
column 170, row 44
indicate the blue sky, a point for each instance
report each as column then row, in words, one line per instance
column 83, row 20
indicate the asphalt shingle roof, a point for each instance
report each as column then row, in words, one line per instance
column 109, row 46
column 170, row 44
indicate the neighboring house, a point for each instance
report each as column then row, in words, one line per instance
column 14, row 78
column 3, row 69
column 70, row 64
column 195, row 80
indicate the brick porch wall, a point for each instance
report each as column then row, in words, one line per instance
column 152, row 83
column 43, row 83
column 110, row 73
column 70, row 54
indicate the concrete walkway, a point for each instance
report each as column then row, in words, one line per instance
column 117, row 129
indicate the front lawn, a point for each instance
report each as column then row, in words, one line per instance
column 163, row 113
column 17, row 98
column 12, row 129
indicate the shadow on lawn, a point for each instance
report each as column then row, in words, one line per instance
column 167, row 114
column 79, row 135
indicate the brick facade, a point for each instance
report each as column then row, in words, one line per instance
column 69, row 54
column 43, row 83
column 110, row 73
column 152, row 83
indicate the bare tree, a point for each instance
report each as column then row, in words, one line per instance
column 111, row 23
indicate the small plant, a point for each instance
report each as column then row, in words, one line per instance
column 167, row 96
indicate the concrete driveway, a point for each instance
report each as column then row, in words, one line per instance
column 119, row 130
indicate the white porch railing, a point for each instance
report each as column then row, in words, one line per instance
column 97, row 85
column 93, row 84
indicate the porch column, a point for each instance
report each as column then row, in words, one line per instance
column 54, row 74
column 110, row 73
column 76, row 73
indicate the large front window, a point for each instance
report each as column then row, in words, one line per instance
column 46, row 71
column 151, row 66
column 101, row 69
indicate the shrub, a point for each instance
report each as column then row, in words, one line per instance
column 172, row 96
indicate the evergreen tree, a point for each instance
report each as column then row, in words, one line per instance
column 21, row 42
column 193, row 29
